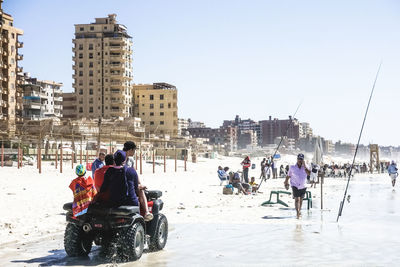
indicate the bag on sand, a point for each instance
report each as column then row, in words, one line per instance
column 227, row 190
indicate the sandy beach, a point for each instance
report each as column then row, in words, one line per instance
column 203, row 221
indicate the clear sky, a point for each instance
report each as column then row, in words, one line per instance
column 251, row 58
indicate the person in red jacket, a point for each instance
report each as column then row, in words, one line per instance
column 99, row 173
column 246, row 163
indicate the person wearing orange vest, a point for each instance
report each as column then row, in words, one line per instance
column 84, row 191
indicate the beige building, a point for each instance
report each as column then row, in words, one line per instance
column 103, row 69
column 10, row 75
column 69, row 106
column 156, row 105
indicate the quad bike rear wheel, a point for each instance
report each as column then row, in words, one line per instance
column 76, row 242
column 130, row 243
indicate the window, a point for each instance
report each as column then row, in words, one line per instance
column 161, row 97
column 161, row 113
column 91, row 73
column 80, row 82
column 91, row 82
column 152, row 123
column 80, row 64
column 143, row 113
column 80, row 73
column 92, row 28
column 91, row 109
column 90, row 64
column 161, row 122
column 169, row 105
column 151, row 113
column 142, row 96
column 80, row 55
column 90, row 91
column 151, row 97
column 90, row 46
column 151, row 106
column 80, row 47
column 81, row 29
column 105, row 27
column 91, row 101
column 80, row 110
column 13, row 35
column 90, row 55
column 174, row 96
column 161, row 105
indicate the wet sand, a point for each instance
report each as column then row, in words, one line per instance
column 367, row 235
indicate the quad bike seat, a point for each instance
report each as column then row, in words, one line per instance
column 102, row 211
column 153, row 194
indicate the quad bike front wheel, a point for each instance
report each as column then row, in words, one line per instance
column 158, row 241
column 76, row 242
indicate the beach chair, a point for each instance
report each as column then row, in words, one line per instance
column 308, row 198
column 223, row 178
column 278, row 201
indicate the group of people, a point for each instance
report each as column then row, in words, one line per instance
column 234, row 179
column 115, row 183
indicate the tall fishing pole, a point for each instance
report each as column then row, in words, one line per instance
column 358, row 143
column 287, row 129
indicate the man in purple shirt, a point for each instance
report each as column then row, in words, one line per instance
column 298, row 176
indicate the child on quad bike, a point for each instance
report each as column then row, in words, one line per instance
column 84, row 191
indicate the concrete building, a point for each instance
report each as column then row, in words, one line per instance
column 247, row 138
column 226, row 136
column 272, row 128
column 103, row 69
column 42, row 99
column 182, row 124
column 196, row 124
column 10, row 75
column 157, row 105
column 305, row 129
column 69, row 106
column 244, row 126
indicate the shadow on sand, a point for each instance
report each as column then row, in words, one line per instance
column 58, row 257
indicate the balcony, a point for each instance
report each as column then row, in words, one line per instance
column 116, row 47
column 4, row 38
column 32, row 105
column 20, row 57
column 59, row 107
column 115, row 55
column 117, row 65
column 116, row 83
column 115, row 73
column 115, row 91
column 5, row 53
column 20, row 69
column 20, row 44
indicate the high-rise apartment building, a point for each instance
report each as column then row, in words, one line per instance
column 156, row 105
column 11, row 80
column 42, row 99
column 103, row 69
column 69, row 105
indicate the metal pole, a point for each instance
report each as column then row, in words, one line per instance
column 322, row 196
column 165, row 162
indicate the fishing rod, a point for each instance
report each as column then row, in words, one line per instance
column 358, row 143
column 287, row 129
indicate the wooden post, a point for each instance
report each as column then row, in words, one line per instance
column 136, row 161
column 18, row 156
column 176, row 163
column 87, row 159
column 37, row 156
column 22, row 155
column 72, row 159
column 40, row 155
column 61, row 158
column 165, row 161
column 81, row 152
column 56, row 155
column 185, row 162
column 2, row 154
column 154, row 162
column 140, row 160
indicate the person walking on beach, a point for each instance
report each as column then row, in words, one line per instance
column 392, row 170
column 298, row 176
column 263, row 162
column 98, row 163
column 246, row 163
